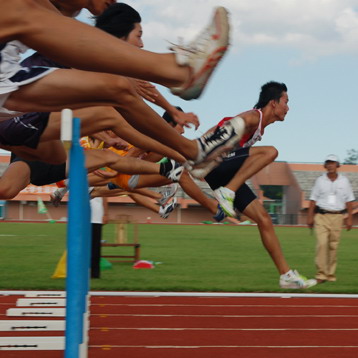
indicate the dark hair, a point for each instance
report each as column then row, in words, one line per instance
column 270, row 91
column 118, row 20
column 169, row 119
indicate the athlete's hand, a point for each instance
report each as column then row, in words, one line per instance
column 104, row 174
column 118, row 143
column 186, row 119
column 145, row 89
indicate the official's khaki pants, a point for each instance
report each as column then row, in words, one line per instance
column 328, row 229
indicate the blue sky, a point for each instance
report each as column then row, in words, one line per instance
column 311, row 45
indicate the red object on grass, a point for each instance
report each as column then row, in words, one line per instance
column 143, row 264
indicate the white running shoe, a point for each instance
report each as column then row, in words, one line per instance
column 164, row 211
column 226, row 198
column 294, row 280
column 172, row 170
column 57, row 195
column 220, row 215
column 167, row 193
column 213, row 144
column 203, row 54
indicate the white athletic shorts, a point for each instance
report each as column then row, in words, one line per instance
column 23, row 77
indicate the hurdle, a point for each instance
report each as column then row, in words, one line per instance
column 76, row 298
column 78, row 242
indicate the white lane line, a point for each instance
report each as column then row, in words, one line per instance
column 225, row 316
column 209, row 295
column 221, row 305
column 215, row 347
column 221, row 329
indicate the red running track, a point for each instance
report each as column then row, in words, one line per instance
column 230, row 327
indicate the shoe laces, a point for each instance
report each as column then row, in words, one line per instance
column 196, row 46
column 167, row 209
column 176, row 172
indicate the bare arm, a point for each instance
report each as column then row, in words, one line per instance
column 105, row 211
column 144, row 142
column 111, row 141
column 183, row 118
column 349, row 218
column 150, row 93
column 310, row 214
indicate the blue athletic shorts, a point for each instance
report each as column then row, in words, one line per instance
column 25, row 130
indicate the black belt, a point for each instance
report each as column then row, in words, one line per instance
column 322, row 211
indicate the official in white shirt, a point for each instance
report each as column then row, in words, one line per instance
column 330, row 201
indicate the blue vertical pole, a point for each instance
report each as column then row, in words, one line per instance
column 78, row 236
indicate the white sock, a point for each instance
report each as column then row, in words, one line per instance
column 288, row 274
column 63, row 191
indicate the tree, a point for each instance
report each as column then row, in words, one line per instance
column 352, row 157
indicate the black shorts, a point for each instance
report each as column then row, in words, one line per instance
column 42, row 173
column 24, row 130
column 221, row 176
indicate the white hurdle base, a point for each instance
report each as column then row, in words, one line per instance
column 36, row 312
column 32, row 343
column 31, row 325
column 41, row 302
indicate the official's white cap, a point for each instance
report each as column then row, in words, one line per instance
column 332, row 158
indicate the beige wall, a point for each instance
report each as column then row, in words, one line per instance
column 19, row 210
column 24, row 206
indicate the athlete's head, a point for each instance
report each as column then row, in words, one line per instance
column 274, row 94
column 122, row 21
column 170, row 120
column 270, row 91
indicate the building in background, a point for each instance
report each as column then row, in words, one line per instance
column 283, row 188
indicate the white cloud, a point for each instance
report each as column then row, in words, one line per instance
column 313, row 28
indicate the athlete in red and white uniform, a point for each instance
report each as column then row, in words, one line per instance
column 228, row 178
column 248, row 139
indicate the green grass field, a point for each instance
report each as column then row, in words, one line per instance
column 188, row 258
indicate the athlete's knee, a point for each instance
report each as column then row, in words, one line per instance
column 272, row 153
column 264, row 219
column 121, row 90
column 7, row 190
